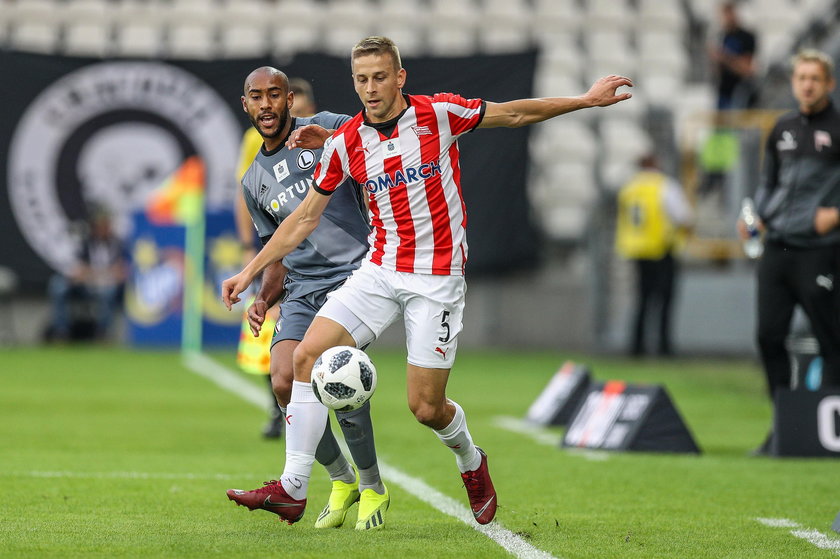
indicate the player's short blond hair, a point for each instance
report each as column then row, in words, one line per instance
column 814, row 55
column 377, row 45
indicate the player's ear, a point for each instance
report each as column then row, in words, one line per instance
column 290, row 100
column 401, row 76
column 244, row 104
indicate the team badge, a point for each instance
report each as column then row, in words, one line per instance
column 822, row 139
column 305, row 159
column 421, row 130
column 391, row 148
column 787, row 142
column 281, row 171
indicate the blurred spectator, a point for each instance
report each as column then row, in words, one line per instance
column 652, row 213
column 304, row 98
column 85, row 301
column 797, row 204
column 734, row 59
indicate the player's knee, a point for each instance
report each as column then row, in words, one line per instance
column 281, row 385
column 428, row 413
column 303, row 358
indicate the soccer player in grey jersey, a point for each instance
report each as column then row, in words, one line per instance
column 273, row 186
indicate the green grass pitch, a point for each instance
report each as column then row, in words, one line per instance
column 109, row 452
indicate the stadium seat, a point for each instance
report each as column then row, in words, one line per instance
column 562, row 55
column 662, row 52
column 192, row 39
column 34, row 25
column 355, row 25
column 296, row 27
column 404, row 23
column 88, row 39
column 139, row 30
column 610, row 48
column 568, row 183
column 555, row 16
column 657, row 15
column 601, row 15
column 191, row 30
column 243, row 29
column 623, row 141
column 565, row 224
column 88, row 27
column 504, row 26
column 563, row 139
column 661, row 89
column 452, row 27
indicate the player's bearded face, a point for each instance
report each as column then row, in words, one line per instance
column 270, row 122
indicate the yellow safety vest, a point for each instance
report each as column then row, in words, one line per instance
column 254, row 354
column 643, row 230
column 248, row 149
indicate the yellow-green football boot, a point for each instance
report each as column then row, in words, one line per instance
column 342, row 497
column 372, row 507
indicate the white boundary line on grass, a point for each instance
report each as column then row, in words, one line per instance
column 512, row 543
column 119, row 475
column 545, row 437
column 814, row 537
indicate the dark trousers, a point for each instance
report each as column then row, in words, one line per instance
column 788, row 276
column 655, row 291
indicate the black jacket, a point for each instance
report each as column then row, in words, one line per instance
column 801, row 173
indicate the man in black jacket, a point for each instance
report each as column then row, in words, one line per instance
column 798, row 204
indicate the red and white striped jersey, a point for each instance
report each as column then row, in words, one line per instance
column 413, row 180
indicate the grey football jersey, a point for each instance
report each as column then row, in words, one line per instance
column 278, row 181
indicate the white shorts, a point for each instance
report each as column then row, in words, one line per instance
column 432, row 307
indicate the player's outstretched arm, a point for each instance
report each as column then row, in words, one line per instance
column 294, row 229
column 522, row 112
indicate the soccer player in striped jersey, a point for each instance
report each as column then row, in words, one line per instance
column 276, row 182
column 404, row 150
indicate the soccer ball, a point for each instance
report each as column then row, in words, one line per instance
column 343, row 378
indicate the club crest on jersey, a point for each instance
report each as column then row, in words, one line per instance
column 787, row 142
column 421, row 131
column 305, row 159
column 822, row 139
column 402, row 177
column 391, row 148
column 281, row 170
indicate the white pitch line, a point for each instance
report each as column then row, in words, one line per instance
column 512, row 543
column 814, row 537
column 818, row 539
column 544, row 437
column 778, row 522
column 120, row 475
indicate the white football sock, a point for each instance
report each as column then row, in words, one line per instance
column 306, row 419
column 457, row 437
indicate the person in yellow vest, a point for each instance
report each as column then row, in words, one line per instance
column 653, row 215
column 253, row 354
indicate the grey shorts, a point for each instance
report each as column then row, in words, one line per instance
column 299, row 306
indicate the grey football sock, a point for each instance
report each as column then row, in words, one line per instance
column 329, row 455
column 358, row 432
